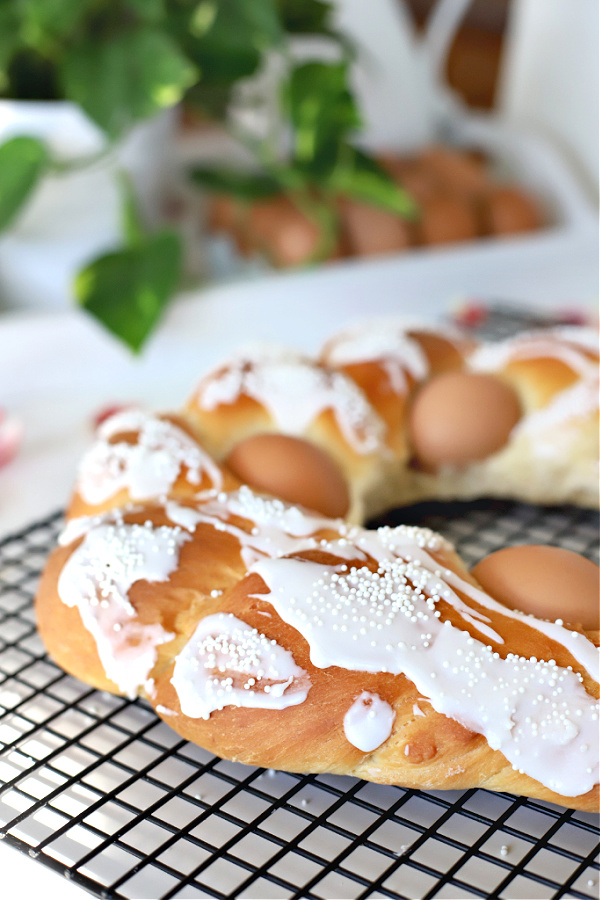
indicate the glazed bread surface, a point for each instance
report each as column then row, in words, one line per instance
column 245, row 621
column 292, row 638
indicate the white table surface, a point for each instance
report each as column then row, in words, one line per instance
column 58, row 369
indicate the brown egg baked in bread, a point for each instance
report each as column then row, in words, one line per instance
column 289, row 638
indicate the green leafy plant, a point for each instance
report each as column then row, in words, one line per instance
column 23, row 161
column 323, row 164
column 121, row 62
column 124, row 61
column 127, row 290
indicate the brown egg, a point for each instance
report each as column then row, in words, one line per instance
column 447, row 219
column 548, row 582
column 508, row 210
column 459, row 171
column 441, row 353
column 411, row 174
column 292, row 469
column 460, row 417
column 221, row 213
column 282, row 232
column 372, row 232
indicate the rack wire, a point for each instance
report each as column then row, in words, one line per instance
column 97, row 788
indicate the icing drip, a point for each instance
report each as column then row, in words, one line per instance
column 579, row 647
column 278, row 529
column 274, row 528
column 569, row 346
column 536, row 712
column 550, row 344
column 226, row 662
column 368, row 722
column 575, row 402
column 388, row 543
column 385, row 341
column 148, row 468
column 295, row 393
column 79, row 526
column 96, row 579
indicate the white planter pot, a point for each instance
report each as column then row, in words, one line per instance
column 76, row 215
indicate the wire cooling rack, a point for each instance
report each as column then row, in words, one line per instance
column 99, row 789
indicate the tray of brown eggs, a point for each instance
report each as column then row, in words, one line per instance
column 485, row 181
column 459, row 197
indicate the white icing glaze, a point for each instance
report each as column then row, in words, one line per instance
column 79, row 526
column 273, row 528
column 582, row 650
column 96, row 579
column 565, row 345
column 575, row 402
column 295, row 392
column 385, row 341
column 537, row 713
column 386, row 543
column 148, row 468
column 580, row 400
column 368, row 722
column 226, row 662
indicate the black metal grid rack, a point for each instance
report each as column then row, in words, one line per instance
column 97, row 788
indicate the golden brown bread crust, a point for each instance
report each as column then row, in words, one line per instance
column 351, row 435
column 390, row 364
column 549, row 457
column 184, row 485
column 426, row 749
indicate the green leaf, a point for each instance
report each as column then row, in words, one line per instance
column 243, row 185
column 358, row 176
column 228, row 37
column 147, row 10
column 322, row 112
column 128, row 290
column 259, row 18
column 305, row 16
column 23, row 161
column 45, row 20
column 9, row 38
column 126, row 78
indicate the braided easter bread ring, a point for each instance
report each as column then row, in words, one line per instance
column 286, row 638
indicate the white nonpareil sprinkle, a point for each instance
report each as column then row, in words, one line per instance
column 96, row 579
column 275, row 528
column 147, row 468
column 536, row 712
column 226, row 662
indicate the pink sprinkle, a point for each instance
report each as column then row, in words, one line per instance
column 572, row 317
column 106, row 412
column 11, row 435
column 471, row 314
